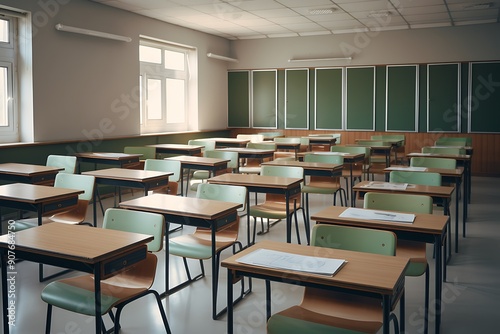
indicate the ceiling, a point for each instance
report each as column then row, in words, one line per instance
column 252, row 19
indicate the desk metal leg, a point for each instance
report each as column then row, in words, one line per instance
column 5, row 300
column 97, row 296
column 229, row 301
column 438, row 281
column 288, row 219
column 386, row 304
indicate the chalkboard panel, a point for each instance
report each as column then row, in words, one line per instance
column 360, row 105
column 484, row 97
column 264, row 99
column 297, row 98
column 443, row 98
column 329, row 99
column 401, row 98
column 238, row 104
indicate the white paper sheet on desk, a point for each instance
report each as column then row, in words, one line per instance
column 409, row 169
column 386, row 185
column 283, row 260
column 368, row 214
column 114, row 155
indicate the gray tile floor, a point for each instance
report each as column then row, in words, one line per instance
column 471, row 297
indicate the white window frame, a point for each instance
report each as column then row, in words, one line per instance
column 8, row 59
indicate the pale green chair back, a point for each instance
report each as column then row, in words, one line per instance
column 372, row 143
column 254, row 138
column 287, row 140
column 226, row 155
column 147, row 152
column 444, row 150
column 324, row 158
column 389, row 137
column 270, row 135
column 165, row 165
column 354, row 239
column 67, row 162
column 208, row 145
column 351, row 149
column 262, row 145
column 422, row 178
column 224, row 193
column 433, row 162
column 137, row 222
column 283, row 171
column 76, row 181
column 454, row 141
column 398, row 202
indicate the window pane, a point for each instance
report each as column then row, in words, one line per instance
column 174, row 60
column 4, row 98
column 141, row 99
column 150, row 54
column 4, row 31
column 175, row 101
column 154, row 99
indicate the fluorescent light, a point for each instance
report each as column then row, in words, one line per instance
column 224, row 58
column 94, row 33
column 321, row 11
column 380, row 14
column 483, row 5
column 319, row 59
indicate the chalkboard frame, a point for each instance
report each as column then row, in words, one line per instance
column 373, row 101
column 317, row 104
column 256, row 115
column 402, row 85
column 296, row 94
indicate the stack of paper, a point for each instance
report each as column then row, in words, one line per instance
column 386, row 185
column 367, row 214
column 408, row 169
column 288, row 261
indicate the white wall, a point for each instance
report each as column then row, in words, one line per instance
column 449, row 44
column 85, row 87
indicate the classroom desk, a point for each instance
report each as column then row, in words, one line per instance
column 365, row 273
column 443, row 193
column 121, row 160
column 384, row 150
column 449, row 176
column 264, row 184
column 202, row 163
column 393, row 143
column 349, row 159
column 310, row 168
column 27, row 173
column 111, row 251
column 295, row 147
column 327, row 141
column 426, row 228
column 130, row 178
column 229, row 142
column 187, row 211
column 183, row 149
column 249, row 153
column 463, row 160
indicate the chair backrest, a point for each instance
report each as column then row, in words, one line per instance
column 271, row 134
column 208, row 145
column 254, row 138
column 454, row 141
column 354, row 239
column 423, row 178
column 147, row 152
column 444, row 150
column 351, row 149
column 370, row 142
column 433, row 162
column 287, row 140
column 164, row 165
column 76, row 181
column 68, row 162
column 283, row 171
column 262, row 145
column 137, row 222
column 326, row 158
column 398, row 202
column 389, row 137
column 222, row 192
column 226, row 155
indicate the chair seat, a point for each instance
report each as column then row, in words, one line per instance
column 271, row 210
column 416, row 252
column 77, row 294
column 320, row 188
column 329, row 312
column 250, row 170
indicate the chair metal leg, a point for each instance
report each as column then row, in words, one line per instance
column 48, row 319
column 426, row 302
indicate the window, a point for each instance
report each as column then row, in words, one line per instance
column 8, row 115
column 165, row 87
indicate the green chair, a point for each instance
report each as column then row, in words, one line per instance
column 208, row 145
column 359, row 170
column 285, row 152
column 270, row 135
column 67, row 162
column 252, row 165
column 444, row 150
column 76, row 294
column 146, row 151
column 254, row 138
column 328, row 311
column 423, row 178
column 377, row 161
column 453, row 141
column 414, row 250
column 166, row 165
column 201, row 176
column 397, row 149
column 198, row 245
column 274, row 205
column 428, row 162
column 325, row 185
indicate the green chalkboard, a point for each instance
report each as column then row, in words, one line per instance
column 360, row 105
column 329, row 99
column 264, row 99
column 297, row 98
column 443, row 98
column 484, row 97
column 238, row 104
column 401, row 98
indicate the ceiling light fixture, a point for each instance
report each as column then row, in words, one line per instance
column 224, row 58
column 75, row 30
column 380, row 14
column 321, row 11
column 319, row 59
column 483, row 5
